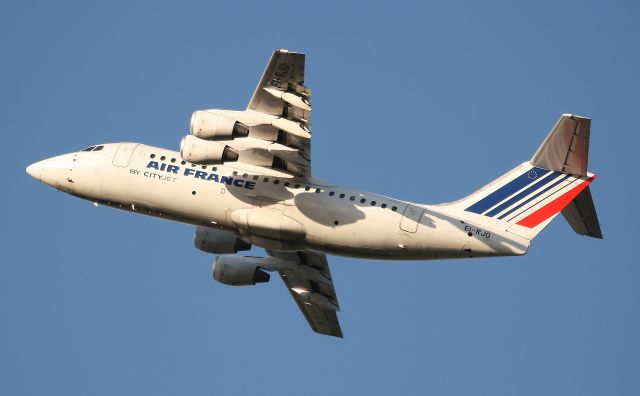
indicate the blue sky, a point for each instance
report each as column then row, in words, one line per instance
column 424, row 101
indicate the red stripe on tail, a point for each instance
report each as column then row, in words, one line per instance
column 554, row 206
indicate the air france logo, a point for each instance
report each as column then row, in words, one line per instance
column 198, row 174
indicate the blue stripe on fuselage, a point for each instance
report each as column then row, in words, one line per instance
column 503, row 192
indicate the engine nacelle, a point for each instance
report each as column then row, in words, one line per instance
column 218, row 241
column 238, row 271
column 207, row 125
column 200, row 151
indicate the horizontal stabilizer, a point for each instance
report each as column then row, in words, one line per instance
column 581, row 215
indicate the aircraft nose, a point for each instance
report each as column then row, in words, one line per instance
column 35, row 170
column 52, row 171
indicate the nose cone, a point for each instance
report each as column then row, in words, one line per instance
column 35, row 170
column 55, row 172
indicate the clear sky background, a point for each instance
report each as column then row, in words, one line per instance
column 423, row 101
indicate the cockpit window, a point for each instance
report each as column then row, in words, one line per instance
column 93, row 148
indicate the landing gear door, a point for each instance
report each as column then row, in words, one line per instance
column 411, row 218
column 123, row 154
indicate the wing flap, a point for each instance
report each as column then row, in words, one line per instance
column 291, row 127
column 292, row 99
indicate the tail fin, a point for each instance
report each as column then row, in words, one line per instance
column 526, row 199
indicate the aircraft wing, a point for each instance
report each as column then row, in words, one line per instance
column 278, row 118
column 282, row 96
column 312, row 289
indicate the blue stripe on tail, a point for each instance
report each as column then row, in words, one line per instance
column 533, row 197
column 520, row 195
column 508, row 189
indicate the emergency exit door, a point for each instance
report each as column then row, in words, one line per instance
column 411, row 218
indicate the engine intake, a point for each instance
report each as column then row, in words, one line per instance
column 207, row 125
column 200, row 151
column 238, row 271
column 218, row 241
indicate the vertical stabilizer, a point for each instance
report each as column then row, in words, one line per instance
column 566, row 149
column 526, row 199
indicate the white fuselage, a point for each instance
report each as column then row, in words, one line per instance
column 271, row 212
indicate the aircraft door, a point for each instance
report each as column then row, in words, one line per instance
column 411, row 218
column 123, row 154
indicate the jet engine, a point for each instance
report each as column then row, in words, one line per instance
column 207, row 125
column 218, row 241
column 200, row 151
column 238, row 271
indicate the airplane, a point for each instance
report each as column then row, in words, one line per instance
column 244, row 178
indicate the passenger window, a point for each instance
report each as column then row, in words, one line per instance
column 163, row 158
column 181, row 162
column 287, row 184
column 307, row 188
column 255, row 177
column 373, row 203
column 266, row 180
column 173, row 160
column 276, row 181
column 204, row 167
column 341, row 195
column 363, row 200
column 394, row 208
column 332, row 193
column 153, row 156
column 383, row 206
column 297, row 186
column 317, row 190
column 352, row 198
